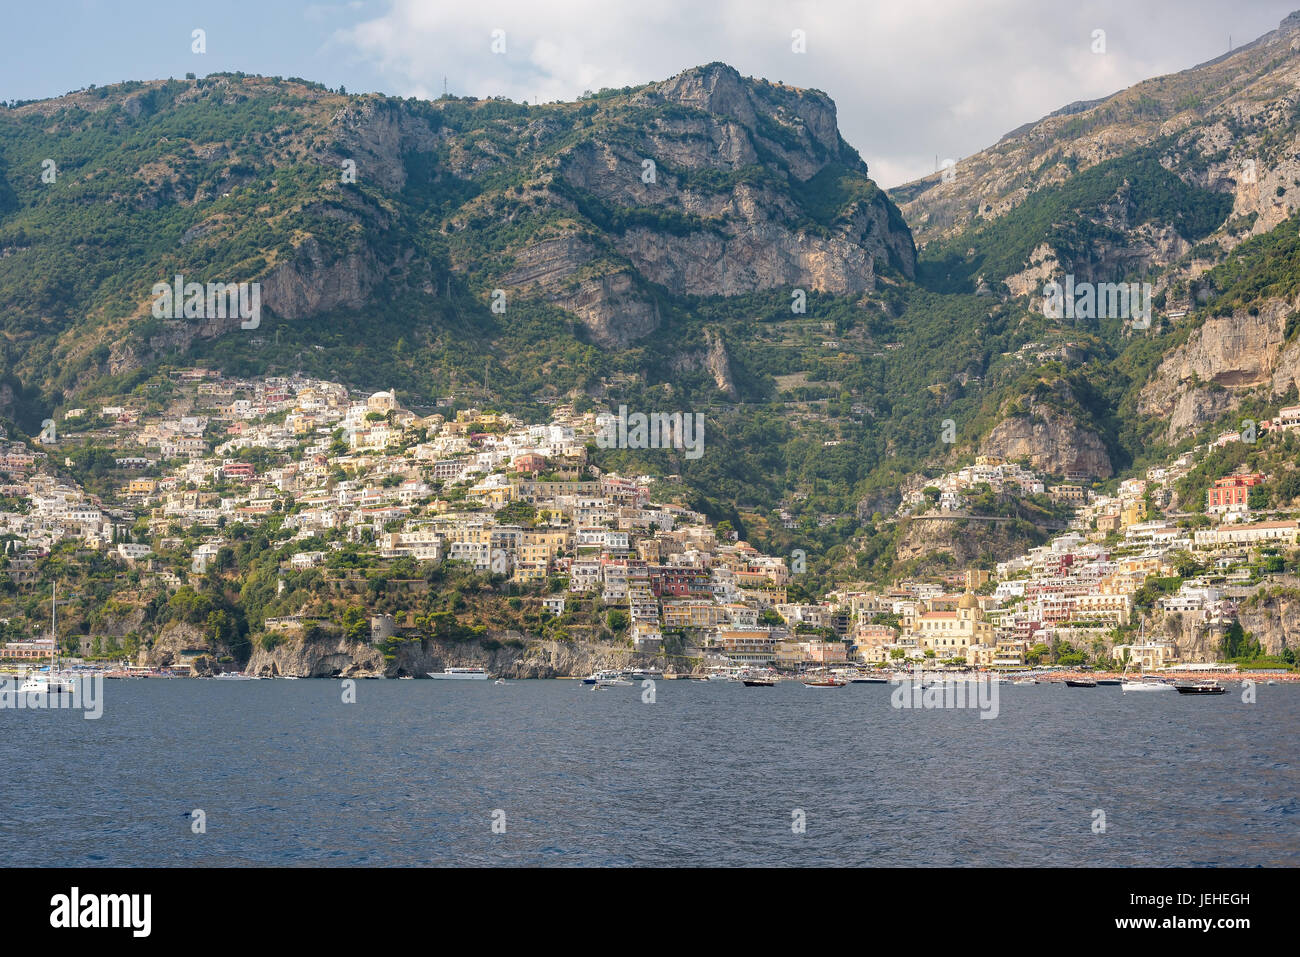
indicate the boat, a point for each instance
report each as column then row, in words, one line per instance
column 43, row 683
column 49, row 681
column 605, row 676
column 1080, row 683
column 617, row 681
column 829, row 681
column 1144, row 682
column 406, row 677
column 1024, row 681
column 234, row 676
column 1145, row 685
column 754, row 679
column 1200, row 687
column 1110, row 681
column 460, row 674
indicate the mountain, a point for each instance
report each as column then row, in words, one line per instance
column 243, row 179
column 1190, row 182
column 706, row 243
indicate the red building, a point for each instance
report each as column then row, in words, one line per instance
column 1232, row 492
column 529, row 462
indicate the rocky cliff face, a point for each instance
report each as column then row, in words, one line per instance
column 1052, row 442
column 716, row 213
column 1226, row 357
column 1274, row 621
column 507, row 654
column 966, row 541
column 177, row 642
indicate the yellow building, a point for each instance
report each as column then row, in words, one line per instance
column 952, row 634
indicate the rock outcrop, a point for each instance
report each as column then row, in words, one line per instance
column 507, row 654
column 1273, row 619
column 1227, row 356
column 1052, row 442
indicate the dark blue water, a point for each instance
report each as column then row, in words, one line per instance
column 710, row 773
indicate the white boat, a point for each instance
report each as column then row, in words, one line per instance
column 460, row 674
column 1024, row 681
column 1127, row 686
column 50, row 681
column 40, row 683
column 1144, row 683
column 607, row 676
column 617, row 681
column 234, row 676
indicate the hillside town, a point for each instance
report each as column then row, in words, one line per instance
column 522, row 502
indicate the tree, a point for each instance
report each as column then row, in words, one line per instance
column 356, row 626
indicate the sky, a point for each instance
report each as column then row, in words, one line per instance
column 915, row 81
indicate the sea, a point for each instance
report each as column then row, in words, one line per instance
column 677, row 773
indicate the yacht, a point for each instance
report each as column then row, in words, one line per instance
column 42, row 683
column 460, row 674
column 1200, row 687
column 602, row 677
column 49, row 681
column 1145, row 684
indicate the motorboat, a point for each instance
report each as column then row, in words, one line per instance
column 605, row 676
column 460, row 674
column 1200, row 687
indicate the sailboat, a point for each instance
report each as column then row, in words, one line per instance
column 1143, row 684
column 50, row 683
